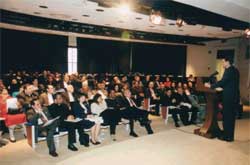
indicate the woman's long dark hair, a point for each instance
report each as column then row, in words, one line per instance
column 95, row 99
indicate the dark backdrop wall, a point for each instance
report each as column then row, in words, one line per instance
column 103, row 56
column 113, row 56
column 33, row 51
column 165, row 59
column 36, row 52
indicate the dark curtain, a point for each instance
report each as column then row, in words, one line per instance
column 100, row 56
column 33, row 51
column 164, row 59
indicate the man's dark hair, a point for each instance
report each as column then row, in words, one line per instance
column 229, row 59
column 26, row 86
column 168, row 89
column 179, row 88
column 47, row 86
column 57, row 94
column 33, row 101
column 80, row 94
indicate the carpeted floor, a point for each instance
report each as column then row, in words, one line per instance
column 167, row 146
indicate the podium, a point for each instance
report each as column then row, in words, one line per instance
column 210, row 128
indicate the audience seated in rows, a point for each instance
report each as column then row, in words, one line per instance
column 87, row 101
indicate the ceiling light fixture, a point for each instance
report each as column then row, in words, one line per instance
column 247, row 32
column 156, row 18
column 124, row 8
column 180, row 22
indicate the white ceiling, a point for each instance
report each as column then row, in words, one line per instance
column 72, row 10
column 237, row 9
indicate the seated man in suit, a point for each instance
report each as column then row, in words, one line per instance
column 185, row 105
column 169, row 101
column 38, row 116
column 70, row 96
column 154, row 99
column 132, row 112
column 66, row 121
column 28, row 94
column 46, row 98
column 137, row 92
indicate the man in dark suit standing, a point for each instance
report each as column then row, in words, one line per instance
column 231, row 94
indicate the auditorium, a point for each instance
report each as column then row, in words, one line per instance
column 118, row 82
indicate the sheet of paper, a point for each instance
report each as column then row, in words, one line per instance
column 50, row 121
column 74, row 121
column 12, row 103
column 219, row 89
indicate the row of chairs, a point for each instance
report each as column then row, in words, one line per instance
column 32, row 133
column 33, row 139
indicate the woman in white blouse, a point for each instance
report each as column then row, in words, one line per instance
column 110, row 115
column 99, row 105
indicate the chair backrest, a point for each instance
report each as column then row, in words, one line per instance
column 14, row 94
column 195, row 98
column 146, row 105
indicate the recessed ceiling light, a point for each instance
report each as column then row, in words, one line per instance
column 44, row 7
column 100, row 10
column 85, row 15
column 37, row 13
column 124, row 8
column 138, row 18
